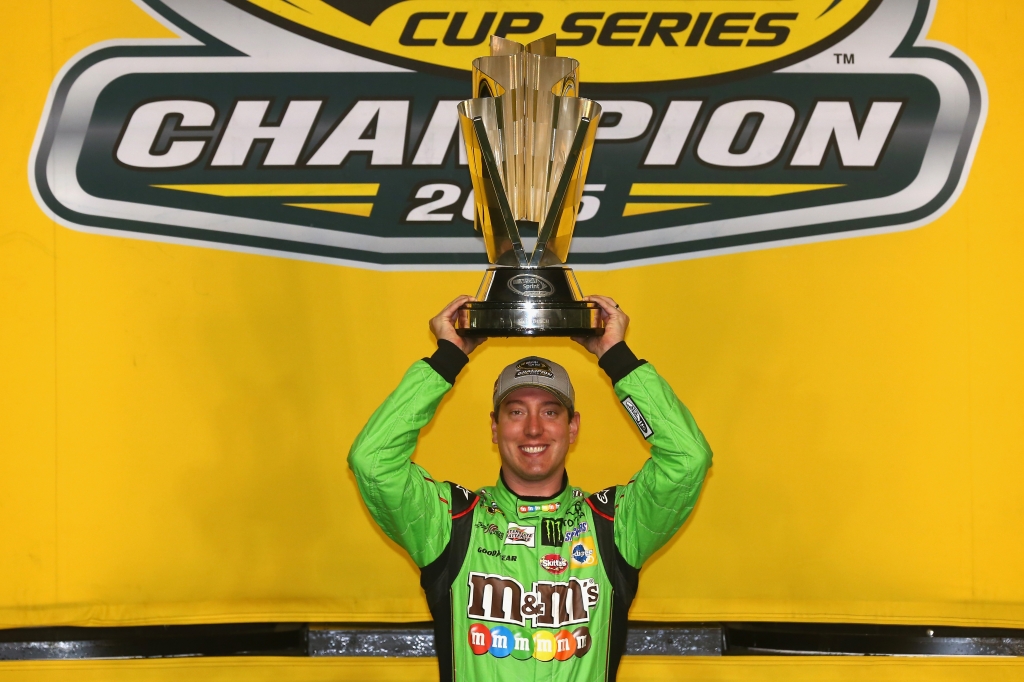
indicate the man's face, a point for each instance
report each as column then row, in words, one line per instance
column 533, row 431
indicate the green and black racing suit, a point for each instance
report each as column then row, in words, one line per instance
column 522, row 588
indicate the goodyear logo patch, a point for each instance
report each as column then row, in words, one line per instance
column 327, row 129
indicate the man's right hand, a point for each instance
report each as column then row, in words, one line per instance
column 442, row 326
column 615, row 323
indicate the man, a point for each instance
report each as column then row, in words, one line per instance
column 531, row 578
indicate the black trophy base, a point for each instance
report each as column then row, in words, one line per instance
column 530, row 302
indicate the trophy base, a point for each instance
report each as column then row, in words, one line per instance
column 529, row 302
column 481, row 318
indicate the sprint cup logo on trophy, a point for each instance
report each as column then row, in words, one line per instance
column 529, row 140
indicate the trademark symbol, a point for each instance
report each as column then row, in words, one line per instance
column 843, row 58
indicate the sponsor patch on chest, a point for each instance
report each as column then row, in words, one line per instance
column 581, row 553
column 554, row 563
column 501, row 642
column 534, row 508
column 501, row 599
column 575, row 533
column 497, row 554
column 521, row 535
column 489, row 529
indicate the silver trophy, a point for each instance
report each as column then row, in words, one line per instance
column 529, row 140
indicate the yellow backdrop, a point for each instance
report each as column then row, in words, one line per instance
column 174, row 420
column 647, row 668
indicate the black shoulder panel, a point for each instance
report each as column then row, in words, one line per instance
column 436, row 577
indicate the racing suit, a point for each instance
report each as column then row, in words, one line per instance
column 523, row 588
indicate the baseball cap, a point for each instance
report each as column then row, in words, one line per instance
column 535, row 372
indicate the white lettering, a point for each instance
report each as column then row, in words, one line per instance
column 716, row 144
column 245, row 127
column 437, row 137
column 140, row 135
column 551, row 604
column 386, row 146
column 634, row 118
column 425, row 213
column 589, row 204
column 835, row 120
column 672, row 133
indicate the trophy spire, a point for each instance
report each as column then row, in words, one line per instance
column 529, row 139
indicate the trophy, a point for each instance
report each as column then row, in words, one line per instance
column 529, row 140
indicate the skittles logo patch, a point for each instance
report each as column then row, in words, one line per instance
column 553, row 563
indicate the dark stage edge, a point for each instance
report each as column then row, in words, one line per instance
column 417, row 640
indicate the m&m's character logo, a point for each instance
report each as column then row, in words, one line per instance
column 497, row 641
column 543, row 645
column 533, row 508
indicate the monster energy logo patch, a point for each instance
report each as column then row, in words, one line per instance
column 551, row 532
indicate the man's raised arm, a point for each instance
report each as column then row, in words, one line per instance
column 408, row 505
column 655, row 503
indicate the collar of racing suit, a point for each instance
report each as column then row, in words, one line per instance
column 525, row 508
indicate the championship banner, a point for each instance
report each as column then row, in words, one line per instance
column 227, row 222
column 327, row 130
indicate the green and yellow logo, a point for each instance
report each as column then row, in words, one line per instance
column 327, row 129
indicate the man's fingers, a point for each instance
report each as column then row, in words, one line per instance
column 456, row 302
column 607, row 304
column 452, row 308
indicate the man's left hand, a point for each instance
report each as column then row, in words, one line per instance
column 442, row 326
column 615, row 323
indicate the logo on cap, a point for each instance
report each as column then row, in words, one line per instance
column 534, row 367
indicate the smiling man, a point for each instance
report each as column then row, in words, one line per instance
column 531, row 578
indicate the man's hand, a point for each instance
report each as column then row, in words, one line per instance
column 615, row 323
column 442, row 326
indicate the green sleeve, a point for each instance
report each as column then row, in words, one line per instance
column 655, row 503
column 408, row 505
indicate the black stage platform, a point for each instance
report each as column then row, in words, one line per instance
column 417, row 639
